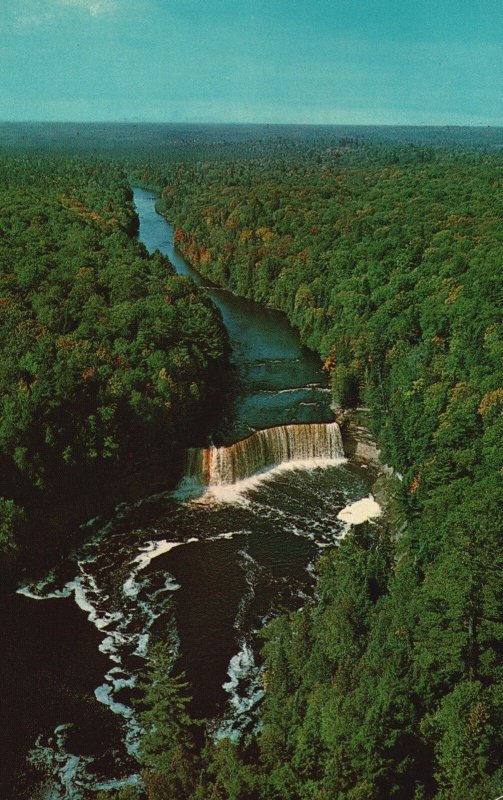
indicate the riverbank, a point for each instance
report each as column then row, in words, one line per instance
column 359, row 446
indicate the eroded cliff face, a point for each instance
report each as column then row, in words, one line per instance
column 359, row 445
column 362, row 449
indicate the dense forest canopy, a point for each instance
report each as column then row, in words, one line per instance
column 107, row 355
column 388, row 260
column 386, row 256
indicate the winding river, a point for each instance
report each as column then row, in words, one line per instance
column 203, row 567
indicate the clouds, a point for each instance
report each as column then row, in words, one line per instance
column 94, row 7
column 223, row 61
column 22, row 15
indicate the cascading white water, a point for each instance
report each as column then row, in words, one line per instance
column 215, row 466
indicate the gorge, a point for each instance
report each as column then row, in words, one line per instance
column 202, row 568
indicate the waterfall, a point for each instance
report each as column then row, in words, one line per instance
column 214, row 466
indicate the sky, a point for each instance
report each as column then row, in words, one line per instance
column 396, row 62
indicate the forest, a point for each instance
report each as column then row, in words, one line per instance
column 107, row 356
column 387, row 258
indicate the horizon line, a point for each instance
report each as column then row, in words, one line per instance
column 241, row 123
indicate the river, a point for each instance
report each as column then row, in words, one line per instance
column 202, row 568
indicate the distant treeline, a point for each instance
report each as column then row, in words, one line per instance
column 182, row 141
column 106, row 355
column 388, row 259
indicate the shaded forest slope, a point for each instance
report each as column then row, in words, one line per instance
column 107, row 356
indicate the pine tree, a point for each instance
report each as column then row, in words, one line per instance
column 167, row 747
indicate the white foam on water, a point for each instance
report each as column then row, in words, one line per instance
column 120, row 638
column 170, row 585
column 244, row 686
column 311, row 387
column 228, row 535
column 67, row 774
column 87, row 596
column 153, row 550
column 131, row 588
column 252, row 570
column 104, row 694
column 119, row 783
column 89, row 523
column 319, row 388
column 245, row 690
column 234, row 493
column 239, row 667
column 142, row 647
column 111, row 644
column 66, row 591
column 150, row 550
column 45, row 588
column 145, row 598
column 83, row 603
column 130, row 680
column 360, row 511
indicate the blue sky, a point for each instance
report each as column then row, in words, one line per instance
column 300, row 61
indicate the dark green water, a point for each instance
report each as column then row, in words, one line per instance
column 204, row 574
column 277, row 380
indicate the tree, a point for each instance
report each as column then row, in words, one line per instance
column 167, row 745
column 466, row 732
column 11, row 519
